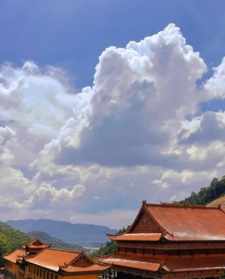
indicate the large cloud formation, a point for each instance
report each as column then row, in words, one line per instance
column 140, row 131
column 141, row 95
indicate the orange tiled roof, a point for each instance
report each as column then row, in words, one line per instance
column 15, row 255
column 189, row 223
column 86, row 269
column 134, row 264
column 53, row 259
column 136, row 237
column 197, row 262
column 172, row 264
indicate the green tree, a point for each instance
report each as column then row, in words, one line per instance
column 109, row 248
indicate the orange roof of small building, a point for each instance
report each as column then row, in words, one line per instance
column 15, row 255
column 135, row 264
column 53, row 259
column 136, row 237
column 183, row 223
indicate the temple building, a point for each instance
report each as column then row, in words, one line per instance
column 39, row 261
column 171, row 241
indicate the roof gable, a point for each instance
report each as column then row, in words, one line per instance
column 81, row 261
column 144, row 223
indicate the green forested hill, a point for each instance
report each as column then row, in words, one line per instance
column 207, row 194
column 10, row 239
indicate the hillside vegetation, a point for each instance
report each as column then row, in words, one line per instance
column 10, row 239
column 109, row 248
column 207, row 194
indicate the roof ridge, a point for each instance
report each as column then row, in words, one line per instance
column 179, row 206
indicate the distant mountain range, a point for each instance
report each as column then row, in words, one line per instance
column 84, row 235
column 54, row 242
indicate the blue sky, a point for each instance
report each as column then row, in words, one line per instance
column 148, row 117
column 72, row 34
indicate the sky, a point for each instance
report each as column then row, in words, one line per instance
column 104, row 104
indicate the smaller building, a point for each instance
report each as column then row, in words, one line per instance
column 39, row 261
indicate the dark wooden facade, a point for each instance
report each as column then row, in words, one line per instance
column 169, row 241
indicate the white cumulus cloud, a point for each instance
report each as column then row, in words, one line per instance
column 138, row 132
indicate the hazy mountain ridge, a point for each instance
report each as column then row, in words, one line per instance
column 79, row 234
